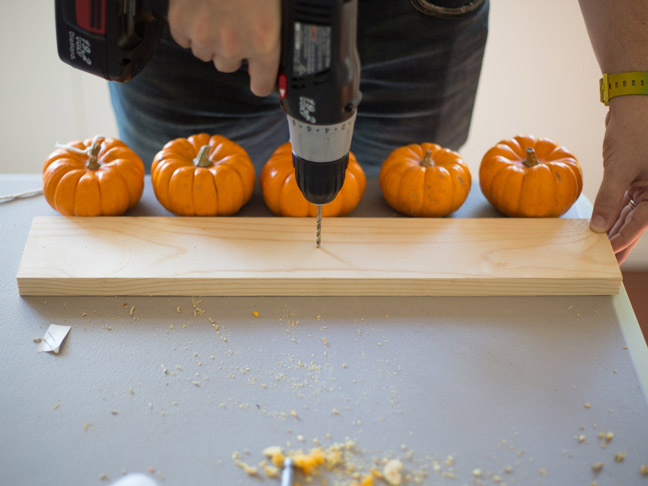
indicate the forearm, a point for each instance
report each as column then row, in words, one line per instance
column 618, row 31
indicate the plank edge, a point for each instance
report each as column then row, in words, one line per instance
column 317, row 287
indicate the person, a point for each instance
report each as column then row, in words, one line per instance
column 421, row 61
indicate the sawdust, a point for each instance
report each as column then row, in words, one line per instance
column 393, row 472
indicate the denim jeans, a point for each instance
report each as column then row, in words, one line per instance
column 420, row 59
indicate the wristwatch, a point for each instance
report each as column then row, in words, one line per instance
column 612, row 85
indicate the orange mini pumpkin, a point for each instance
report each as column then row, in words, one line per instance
column 424, row 180
column 529, row 177
column 203, row 176
column 96, row 177
column 282, row 195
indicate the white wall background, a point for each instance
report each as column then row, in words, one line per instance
column 539, row 77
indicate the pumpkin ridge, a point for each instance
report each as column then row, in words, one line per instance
column 116, row 168
column 515, row 147
column 86, row 199
column 499, row 189
column 403, row 190
column 70, row 180
column 457, row 176
column 193, row 191
column 232, row 172
column 113, row 199
column 538, row 191
column 569, row 178
column 445, row 179
column 62, row 154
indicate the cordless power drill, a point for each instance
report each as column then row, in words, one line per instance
column 318, row 82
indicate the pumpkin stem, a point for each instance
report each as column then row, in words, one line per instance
column 427, row 159
column 202, row 159
column 93, row 164
column 531, row 159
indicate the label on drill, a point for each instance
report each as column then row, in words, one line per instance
column 312, row 53
column 321, row 143
column 79, row 48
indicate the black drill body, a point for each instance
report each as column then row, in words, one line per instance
column 318, row 80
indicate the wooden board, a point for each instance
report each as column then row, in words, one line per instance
column 278, row 256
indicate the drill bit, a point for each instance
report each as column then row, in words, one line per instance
column 288, row 472
column 318, row 237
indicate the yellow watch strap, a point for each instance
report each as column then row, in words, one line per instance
column 612, row 85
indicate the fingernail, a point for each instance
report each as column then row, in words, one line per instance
column 598, row 224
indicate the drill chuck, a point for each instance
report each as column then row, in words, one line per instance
column 320, row 182
column 320, row 157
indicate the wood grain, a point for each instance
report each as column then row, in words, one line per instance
column 277, row 256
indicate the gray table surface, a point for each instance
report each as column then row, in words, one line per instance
column 492, row 382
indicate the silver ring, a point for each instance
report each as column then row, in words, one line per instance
column 632, row 204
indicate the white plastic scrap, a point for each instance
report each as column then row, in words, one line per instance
column 53, row 338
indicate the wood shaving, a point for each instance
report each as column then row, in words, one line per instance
column 643, row 470
column 619, row 457
column 271, row 471
column 597, row 467
column 250, row 470
column 275, row 454
column 392, row 472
